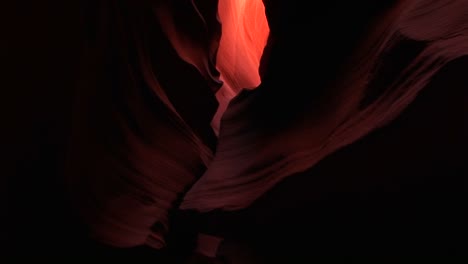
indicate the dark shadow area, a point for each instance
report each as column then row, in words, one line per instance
column 399, row 191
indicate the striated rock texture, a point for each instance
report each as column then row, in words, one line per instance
column 180, row 106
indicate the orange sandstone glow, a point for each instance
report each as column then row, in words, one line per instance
column 244, row 36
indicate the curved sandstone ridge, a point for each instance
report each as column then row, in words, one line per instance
column 180, row 105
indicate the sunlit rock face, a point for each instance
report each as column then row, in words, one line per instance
column 245, row 32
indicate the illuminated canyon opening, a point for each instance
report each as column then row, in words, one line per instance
column 244, row 35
